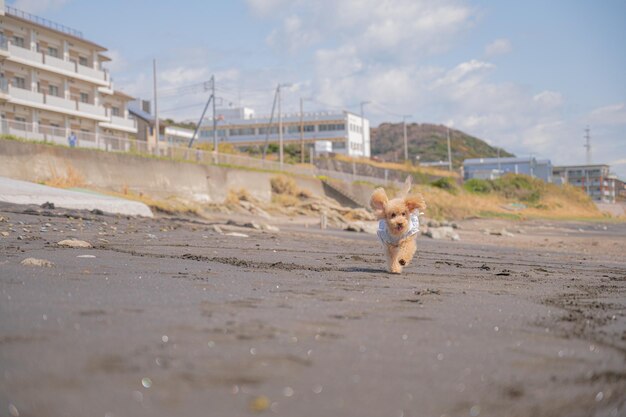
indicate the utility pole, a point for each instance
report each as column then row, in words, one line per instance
column 269, row 126
column 449, row 153
column 406, row 144
column 156, row 113
column 588, row 144
column 280, row 129
column 215, row 148
column 302, row 128
column 499, row 168
column 280, row 124
column 363, row 103
column 301, row 131
column 197, row 129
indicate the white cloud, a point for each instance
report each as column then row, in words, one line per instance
column 371, row 26
column 39, row 6
column 291, row 36
column 549, row 99
column 614, row 114
column 265, row 7
column 498, row 47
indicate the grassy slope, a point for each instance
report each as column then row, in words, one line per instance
column 505, row 198
column 429, row 142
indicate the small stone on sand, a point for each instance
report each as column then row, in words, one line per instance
column 36, row 262
column 74, row 243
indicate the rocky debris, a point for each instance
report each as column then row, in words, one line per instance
column 442, row 232
column 37, row 262
column 3, row 219
column 500, row 232
column 47, row 205
column 362, row 227
column 253, row 225
column 270, row 228
column 254, row 209
column 4, row 234
column 74, row 243
column 237, row 234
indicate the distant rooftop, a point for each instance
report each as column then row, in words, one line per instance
column 503, row 160
column 43, row 22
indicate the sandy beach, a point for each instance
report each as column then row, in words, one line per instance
column 170, row 317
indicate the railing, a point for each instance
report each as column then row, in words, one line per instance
column 26, row 54
column 60, row 136
column 44, row 22
column 26, row 95
column 91, row 109
column 91, row 72
column 58, row 63
column 122, row 121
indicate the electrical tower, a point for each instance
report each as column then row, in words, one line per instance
column 587, row 144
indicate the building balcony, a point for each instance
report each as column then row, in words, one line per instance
column 57, row 65
column 60, row 102
column 120, row 123
column 28, row 96
column 92, row 109
column 47, row 102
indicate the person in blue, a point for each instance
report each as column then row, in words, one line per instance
column 72, row 140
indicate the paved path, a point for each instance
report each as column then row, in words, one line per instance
column 22, row 192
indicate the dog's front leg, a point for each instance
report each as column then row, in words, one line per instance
column 392, row 260
column 406, row 250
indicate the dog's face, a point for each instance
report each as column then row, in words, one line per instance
column 396, row 212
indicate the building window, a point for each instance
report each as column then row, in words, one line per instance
column 19, row 82
column 83, row 61
column 18, row 41
column 272, row 131
column 332, row 127
column 84, row 98
column 241, row 132
column 115, row 111
column 20, row 119
column 53, row 52
column 53, row 90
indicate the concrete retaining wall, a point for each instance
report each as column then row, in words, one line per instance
column 115, row 171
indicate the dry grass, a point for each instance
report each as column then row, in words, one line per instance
column 234, row 196
column 408, row 168
column 71, row 178
column 284, row 185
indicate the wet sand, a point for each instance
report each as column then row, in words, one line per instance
column 167, row 317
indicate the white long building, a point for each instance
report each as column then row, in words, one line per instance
column 346, row 132
column 52, row 83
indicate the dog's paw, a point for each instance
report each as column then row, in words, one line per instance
column 402, row 262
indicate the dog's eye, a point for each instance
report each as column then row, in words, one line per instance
column 404, row 213
column 393, row 215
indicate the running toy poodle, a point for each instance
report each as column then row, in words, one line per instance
column 399, row 224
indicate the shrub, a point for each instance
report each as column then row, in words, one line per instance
column 520, row 187
column 478, row 186
column 445, row 183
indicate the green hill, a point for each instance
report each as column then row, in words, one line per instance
column 429, row 142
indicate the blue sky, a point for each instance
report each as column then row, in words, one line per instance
column 527, row 76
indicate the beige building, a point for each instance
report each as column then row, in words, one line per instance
column 52, row 83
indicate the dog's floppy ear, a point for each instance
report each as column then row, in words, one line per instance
column 415, row 201
column 378, row 201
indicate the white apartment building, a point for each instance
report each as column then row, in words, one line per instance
column 596, row 180
column 52, row 83
column 348, row 133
